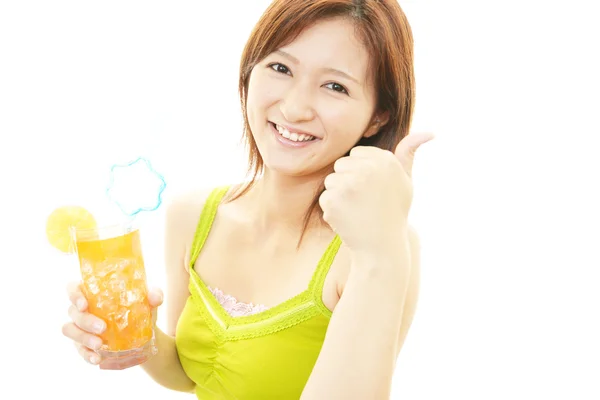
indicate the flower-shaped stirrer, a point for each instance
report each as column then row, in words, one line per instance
column 136, row 187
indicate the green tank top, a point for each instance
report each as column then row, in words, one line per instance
column 268, row 355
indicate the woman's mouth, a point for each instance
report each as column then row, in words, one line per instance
column 292, row 136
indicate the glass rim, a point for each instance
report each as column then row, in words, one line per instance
column 130, row 223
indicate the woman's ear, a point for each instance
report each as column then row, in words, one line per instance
column 377, row 122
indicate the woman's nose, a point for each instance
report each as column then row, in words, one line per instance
column 297, row 105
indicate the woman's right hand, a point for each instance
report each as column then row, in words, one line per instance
column 84, row 327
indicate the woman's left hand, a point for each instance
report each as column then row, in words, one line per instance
column 368, row 196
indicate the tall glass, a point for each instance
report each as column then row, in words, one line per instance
column 114, row 284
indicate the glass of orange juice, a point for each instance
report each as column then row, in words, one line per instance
column 114, row 283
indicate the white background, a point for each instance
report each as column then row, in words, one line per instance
column 506, row 198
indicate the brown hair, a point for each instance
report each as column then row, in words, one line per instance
column 386, row 34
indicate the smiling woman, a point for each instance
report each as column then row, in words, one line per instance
column 315, row 246
column 357, row 69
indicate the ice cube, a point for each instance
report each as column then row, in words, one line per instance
column 138, row 274
column 108, row 267
column 122, row 318
column 92, row 285
column 117, row 283
column 106, row 304
column 86, row 268
column 130, row 297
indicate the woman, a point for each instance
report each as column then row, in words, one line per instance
column 302, row 282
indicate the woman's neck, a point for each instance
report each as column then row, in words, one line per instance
column 279, row 203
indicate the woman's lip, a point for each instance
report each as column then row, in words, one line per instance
column 291, row 129
column 290, row 143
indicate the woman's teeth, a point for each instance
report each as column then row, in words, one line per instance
column 292, row 135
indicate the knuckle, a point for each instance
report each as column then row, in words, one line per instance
column 81, row 337
column 324, row 200
column 87, row 322
column 81, row 320
column 337, row 165
column 70, row 331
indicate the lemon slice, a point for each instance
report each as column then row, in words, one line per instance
column 60, row 222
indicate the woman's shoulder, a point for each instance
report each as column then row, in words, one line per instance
column 181, row 216
column 185, row 206
column 183, row 209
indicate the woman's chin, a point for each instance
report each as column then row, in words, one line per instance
column 293, row 170
column 286, row 169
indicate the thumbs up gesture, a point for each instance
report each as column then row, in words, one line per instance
column 368, row 196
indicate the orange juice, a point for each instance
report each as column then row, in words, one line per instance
column 114, row 283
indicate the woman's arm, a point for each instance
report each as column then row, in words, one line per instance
column 368, row 326
column 181, row 217
column 165, row 367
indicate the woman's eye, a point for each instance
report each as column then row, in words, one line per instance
column 336, row 87
column 280, row 68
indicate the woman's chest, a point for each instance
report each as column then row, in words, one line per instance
column 270, row 274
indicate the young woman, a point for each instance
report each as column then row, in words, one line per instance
column 303, row 281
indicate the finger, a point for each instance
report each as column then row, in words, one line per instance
column 88, row 355
column 323, row 199
column 334, row 180
column 406, row 149
column 342, row 164
column 326, row 200
column 76, row 296
column 86, row 321
column 348, row 164
column 155, row 297
column 76, row 334
column 365, row 151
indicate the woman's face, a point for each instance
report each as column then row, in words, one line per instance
column 311, row 101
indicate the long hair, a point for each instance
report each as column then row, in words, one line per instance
column 384, row 30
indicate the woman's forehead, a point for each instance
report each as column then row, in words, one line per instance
column 330, row 44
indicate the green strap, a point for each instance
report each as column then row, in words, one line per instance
column 318, row 280
column 207, row 217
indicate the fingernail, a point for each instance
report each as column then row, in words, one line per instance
column 80, row 304
column 98, row 327
column 94, row 359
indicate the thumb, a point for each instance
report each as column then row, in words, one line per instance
column 406, row 149
column 155, row 297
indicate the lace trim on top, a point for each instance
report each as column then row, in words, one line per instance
column 235, row 308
